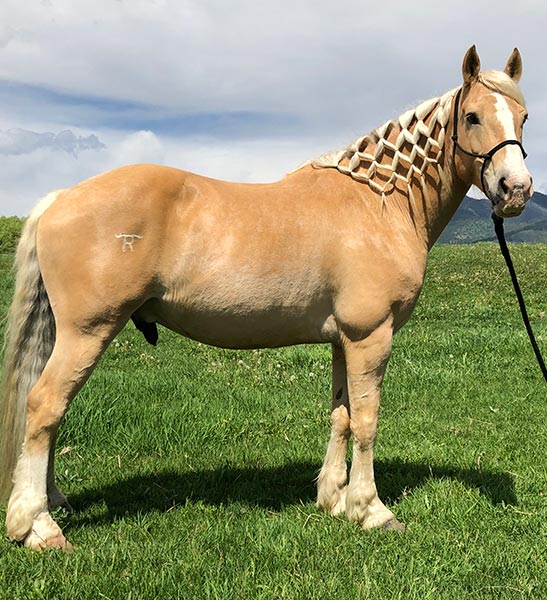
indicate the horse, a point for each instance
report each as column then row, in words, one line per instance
column 335, row 252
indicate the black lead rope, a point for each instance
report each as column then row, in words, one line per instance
column 498, row 223
column 498, row 227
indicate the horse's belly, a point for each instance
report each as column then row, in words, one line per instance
column 244, row 326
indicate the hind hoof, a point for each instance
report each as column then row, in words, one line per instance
column 37, row 543
column 45, row 534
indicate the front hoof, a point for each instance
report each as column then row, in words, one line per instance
column 335, row 503
column 331, row 499
column 340, row 506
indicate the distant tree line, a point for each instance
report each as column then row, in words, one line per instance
column 10, row 232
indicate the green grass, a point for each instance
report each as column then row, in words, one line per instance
column 191, row 468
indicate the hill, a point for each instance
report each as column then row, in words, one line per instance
column 472, row 223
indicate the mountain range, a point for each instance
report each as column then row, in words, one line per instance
column 472, row 223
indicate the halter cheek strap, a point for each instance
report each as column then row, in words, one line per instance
column 487, row 158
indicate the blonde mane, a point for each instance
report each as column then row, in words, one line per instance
column 419, row 143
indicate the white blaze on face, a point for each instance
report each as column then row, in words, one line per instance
column 505, row 117
column 509, row 164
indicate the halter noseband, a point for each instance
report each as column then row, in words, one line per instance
column 487, row 158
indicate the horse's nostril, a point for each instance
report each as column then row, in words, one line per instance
column 503, row 185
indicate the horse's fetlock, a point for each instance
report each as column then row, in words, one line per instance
column 22, row 510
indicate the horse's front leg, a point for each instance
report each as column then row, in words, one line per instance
column 331, row 483
column 366, row 362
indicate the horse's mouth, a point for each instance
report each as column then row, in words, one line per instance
column 505, row 210
column 512, row 203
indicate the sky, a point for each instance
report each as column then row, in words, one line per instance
column 242, row 90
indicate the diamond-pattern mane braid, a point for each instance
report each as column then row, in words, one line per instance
column 419, row 143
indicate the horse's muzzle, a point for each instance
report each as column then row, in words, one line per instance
column 513, row 198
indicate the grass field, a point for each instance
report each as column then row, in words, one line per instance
column 192, row 468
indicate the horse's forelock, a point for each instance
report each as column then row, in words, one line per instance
column 498, row 81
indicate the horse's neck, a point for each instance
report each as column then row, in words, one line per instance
column 434, row 197
column 413, row 158
column 435, row 209
column 408, row 162
column 409, row 158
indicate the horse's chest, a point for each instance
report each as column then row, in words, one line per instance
column 377, row 289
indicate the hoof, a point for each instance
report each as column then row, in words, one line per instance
column 339, row 507
column 333, row 502
column 35, row 542
column 394, row 525
column 45, row 533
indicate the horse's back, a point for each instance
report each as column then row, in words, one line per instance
column 117, row 194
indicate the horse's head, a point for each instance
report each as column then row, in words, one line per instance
column 489, row 115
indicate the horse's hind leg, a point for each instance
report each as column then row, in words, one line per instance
column 74, row 356
column 331, row 483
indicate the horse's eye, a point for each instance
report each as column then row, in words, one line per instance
column 472, row 118
column 524, row 120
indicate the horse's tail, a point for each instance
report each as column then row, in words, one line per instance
column 29, row 340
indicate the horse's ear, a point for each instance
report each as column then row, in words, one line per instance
column 513, row 68
column 471, row 65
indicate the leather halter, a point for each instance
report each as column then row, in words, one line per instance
column 487, row 158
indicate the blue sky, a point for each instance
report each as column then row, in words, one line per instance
column 244, row 90
column 95, row 112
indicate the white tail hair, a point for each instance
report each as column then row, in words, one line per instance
column 29, row 340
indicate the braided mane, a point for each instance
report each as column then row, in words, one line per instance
column 381, row 163
column 419, row 143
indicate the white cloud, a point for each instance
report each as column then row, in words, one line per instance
column 139, row 147
column 30, row 176
column 21, row 141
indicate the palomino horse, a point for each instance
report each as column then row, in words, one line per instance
column 334, row 253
